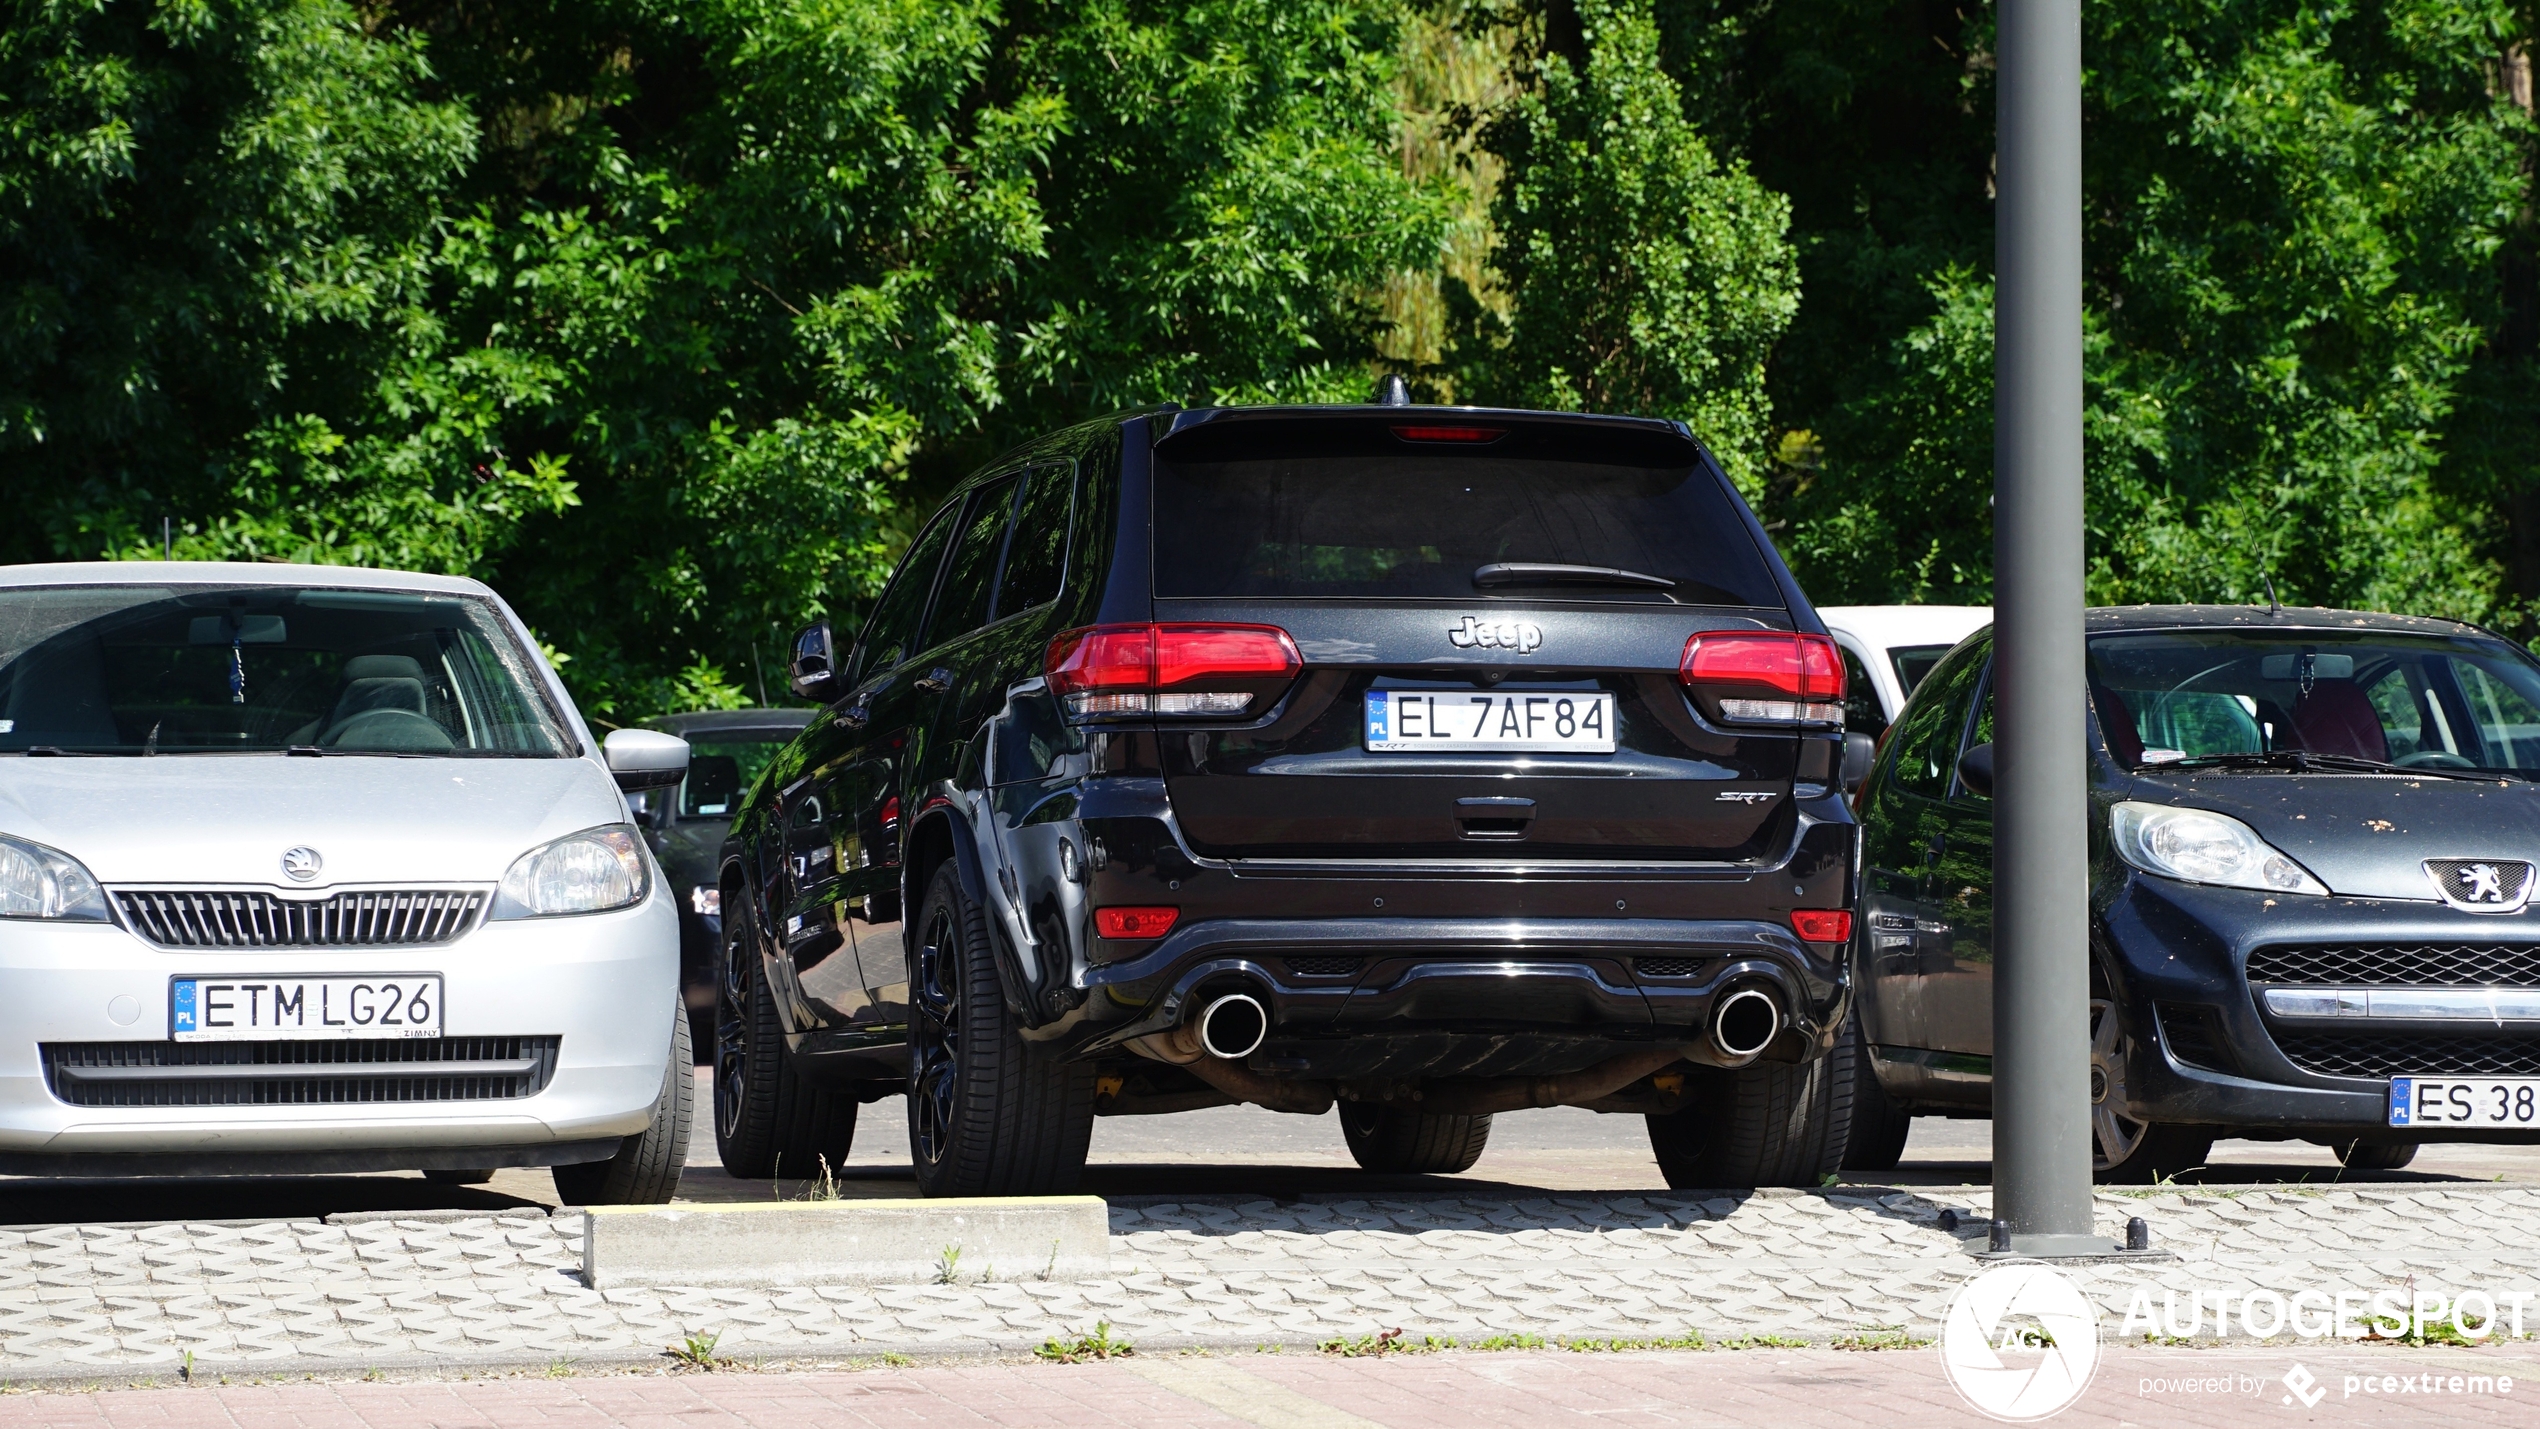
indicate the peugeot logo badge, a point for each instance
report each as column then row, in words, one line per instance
column 302, row 863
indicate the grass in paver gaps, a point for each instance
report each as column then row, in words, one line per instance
column 1669, row 1342
column 1880, row 1340
column 1095, row 1344
column 695, row 1351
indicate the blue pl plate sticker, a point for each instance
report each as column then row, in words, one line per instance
column 1379, row 716
column 181, row 1008
column 2401, row 1090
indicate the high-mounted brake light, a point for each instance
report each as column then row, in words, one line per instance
column 1766, row 676
column 1170, row 669
column 1450, row 434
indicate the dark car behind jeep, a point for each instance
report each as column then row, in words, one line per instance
column 686, row 826
column 1433, row 762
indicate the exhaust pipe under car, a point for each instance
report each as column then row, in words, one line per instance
column 1233, row 1026
column 1744, row 1023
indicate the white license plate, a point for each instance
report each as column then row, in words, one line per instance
column 2465, row 1101
column 220, row 1009
column 1400, row 720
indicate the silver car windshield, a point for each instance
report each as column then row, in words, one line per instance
column 249, row 669
column 2428, row 702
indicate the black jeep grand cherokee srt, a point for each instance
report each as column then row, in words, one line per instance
column 1433, row 762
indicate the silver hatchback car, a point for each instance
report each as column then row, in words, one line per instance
column 309, row 869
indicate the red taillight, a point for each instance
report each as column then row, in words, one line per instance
column 1766, row 676
column 1450, row 434
column 1135, row 922
column 891, row 812
column 1822, row 925
column 1173, row 669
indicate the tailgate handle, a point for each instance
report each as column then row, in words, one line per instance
column 1494, row 817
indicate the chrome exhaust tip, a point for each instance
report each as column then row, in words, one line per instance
column 1745, row 1022
column 1233, row 1026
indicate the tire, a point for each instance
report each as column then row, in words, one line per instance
column 1876, row 1141
column 2124, row 1151
column 1397, row 1141
column 768, row 1121
column 2375, row 1155
column 469, row 1177
column 988, row 1114
column 1764, row 1124
column 645, row 1171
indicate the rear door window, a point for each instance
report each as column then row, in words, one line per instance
column 1036, row 559
column 970, row 583
column 890, row 634
column 1417, row 525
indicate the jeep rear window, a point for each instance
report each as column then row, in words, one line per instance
column 1417, row 525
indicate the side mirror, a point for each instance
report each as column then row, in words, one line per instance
column 1975, row 769
column 815, row 664
column 645, row 758
column 1859, row 750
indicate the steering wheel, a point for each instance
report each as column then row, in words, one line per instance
column 394, row 731
column 2433, row 759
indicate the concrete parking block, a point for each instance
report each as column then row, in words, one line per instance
column 951, row 1241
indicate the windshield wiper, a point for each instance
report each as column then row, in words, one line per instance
column 1557, row 573
column 2307, row 761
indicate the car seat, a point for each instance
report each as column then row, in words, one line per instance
column 2337, row 717
column 383, row 701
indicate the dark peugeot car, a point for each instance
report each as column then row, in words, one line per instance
column 1434, row 762
column 686, row 827
column 2313, row 835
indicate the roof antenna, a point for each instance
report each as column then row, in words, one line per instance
column 1392, row 391
column 2272, row 607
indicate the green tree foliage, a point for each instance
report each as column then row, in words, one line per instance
column 2294, row 216
column 664, row 318
column 1644, row 275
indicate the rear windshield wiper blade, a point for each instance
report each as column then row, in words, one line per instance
column 1557, row 573
column 2305, row 760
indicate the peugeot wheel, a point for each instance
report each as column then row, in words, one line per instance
column 2124, row 1150
column 988, row 1114
column 2375, row 1155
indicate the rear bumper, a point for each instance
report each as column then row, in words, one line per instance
column 1355, row 997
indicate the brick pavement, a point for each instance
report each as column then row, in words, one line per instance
column 482, row 1291
column 1784, row 1389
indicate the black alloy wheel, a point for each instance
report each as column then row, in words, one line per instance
column 934, row 1036
column 768, row 1121
column 988, row 1113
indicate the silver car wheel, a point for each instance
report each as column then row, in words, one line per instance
column 2114, row 1135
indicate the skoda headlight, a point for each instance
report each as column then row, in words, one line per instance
column 2201, row 846
column 589, row 872
column 39, row 882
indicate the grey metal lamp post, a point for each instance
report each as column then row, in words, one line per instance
column 2041, row 873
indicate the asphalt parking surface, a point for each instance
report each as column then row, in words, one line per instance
column 1225, row 1150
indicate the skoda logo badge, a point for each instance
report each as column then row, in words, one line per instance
column 302, row 863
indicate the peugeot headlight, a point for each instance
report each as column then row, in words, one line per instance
column 39, row 882
column 2201, row 846
column 589, row 872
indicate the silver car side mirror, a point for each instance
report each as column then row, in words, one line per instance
column 645, row 758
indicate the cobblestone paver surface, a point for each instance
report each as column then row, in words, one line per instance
column 1820, row 1266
